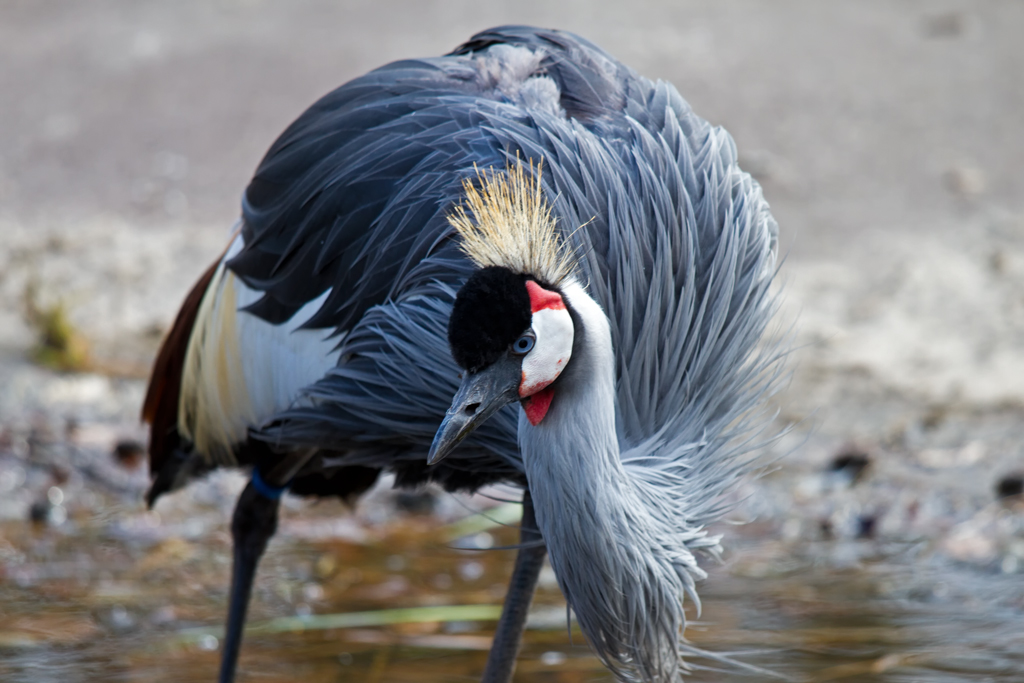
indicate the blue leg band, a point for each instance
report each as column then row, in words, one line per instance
column 265, row 489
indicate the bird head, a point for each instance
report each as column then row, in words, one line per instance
column 510, row 329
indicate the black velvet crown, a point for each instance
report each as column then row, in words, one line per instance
column 491, row 310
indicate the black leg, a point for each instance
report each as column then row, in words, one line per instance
column 254, row 522
column 501, row 663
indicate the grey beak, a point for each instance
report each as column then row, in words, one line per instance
column 481, row 395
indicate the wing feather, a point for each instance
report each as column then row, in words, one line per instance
column 677, row 245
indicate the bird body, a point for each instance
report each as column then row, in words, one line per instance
column 568, row 235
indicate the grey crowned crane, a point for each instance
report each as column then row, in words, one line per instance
column 531, row 227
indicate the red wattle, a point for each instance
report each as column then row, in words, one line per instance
column 536, row 406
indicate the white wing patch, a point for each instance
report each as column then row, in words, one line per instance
column 240, row 370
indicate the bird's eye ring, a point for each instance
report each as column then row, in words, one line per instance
column 524, row 344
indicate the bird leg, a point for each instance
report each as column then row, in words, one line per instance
column 254, row 522
column 501, row 662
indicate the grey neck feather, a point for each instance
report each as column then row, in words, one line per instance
column 623, row 567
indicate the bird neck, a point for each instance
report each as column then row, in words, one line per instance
column 617, row 558
column 578, row 431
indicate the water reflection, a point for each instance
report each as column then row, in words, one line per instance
column 95, row 604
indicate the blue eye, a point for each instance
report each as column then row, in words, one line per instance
column 523, row 345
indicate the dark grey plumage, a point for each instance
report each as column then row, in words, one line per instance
column 677, row 247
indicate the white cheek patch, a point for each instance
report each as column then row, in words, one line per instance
column 553, row 328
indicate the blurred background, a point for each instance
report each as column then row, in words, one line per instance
column 885, row 543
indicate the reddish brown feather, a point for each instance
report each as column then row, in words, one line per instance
column 160, row 408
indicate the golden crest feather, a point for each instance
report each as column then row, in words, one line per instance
column 511, row 224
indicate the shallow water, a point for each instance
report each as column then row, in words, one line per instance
column 88, row 601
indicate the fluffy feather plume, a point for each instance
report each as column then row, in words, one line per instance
column 511, row 224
